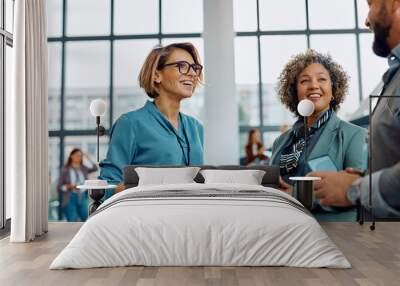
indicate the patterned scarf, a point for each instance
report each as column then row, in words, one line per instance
column 290, row 156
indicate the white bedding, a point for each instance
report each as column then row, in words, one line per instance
column 183, row 231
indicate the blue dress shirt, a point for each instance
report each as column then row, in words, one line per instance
column 146, row 137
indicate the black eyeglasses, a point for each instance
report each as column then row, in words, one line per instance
column 184, row 67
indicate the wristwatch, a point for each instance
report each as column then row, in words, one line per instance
column 354, row 192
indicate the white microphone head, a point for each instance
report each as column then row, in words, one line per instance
column 97, row 107
column 305, row 107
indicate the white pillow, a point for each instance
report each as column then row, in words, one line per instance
column 165, row 176
column 248, row 177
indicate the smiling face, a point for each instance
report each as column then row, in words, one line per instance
column 314, row 83
column 170, row 81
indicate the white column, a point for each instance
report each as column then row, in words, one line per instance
column 221, row 123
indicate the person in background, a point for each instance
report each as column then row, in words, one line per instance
column 158, row 133
column 74, row 202
column 332, row 144
column 254, row 148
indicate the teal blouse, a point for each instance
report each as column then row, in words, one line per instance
column 146, row 137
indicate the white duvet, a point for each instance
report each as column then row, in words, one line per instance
column 187, row 231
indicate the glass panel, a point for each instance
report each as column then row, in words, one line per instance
column 275, row 53
column 89, row 17
column 275, row 15
column 9, row 69
column 54, row 83
column 372, row 66
column 182, row 16
column 324, row 14
column 269, row 138
column 9, row 15
column 54, row 173
column 127, row 64
column 342, row 48
column 362, row 13
column 54, row 18
column 87, row 77
column 246, row 76
column 245, row 15
column 88, row 145
column 136, row 17
column 242, row 143
column 8, row 83
column 195, row 106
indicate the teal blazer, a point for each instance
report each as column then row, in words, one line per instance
column 344, row 143
column 146, row 137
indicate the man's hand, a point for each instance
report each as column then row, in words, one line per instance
column 285, row 187
column 333, row 186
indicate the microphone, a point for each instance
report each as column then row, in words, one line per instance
column 305, row 108
column 98, row 109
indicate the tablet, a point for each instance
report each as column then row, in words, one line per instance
column 323, row 163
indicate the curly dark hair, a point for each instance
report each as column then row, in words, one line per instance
column 287, row 90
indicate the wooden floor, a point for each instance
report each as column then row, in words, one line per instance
column 375, row 257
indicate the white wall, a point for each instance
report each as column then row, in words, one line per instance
column 221, row 123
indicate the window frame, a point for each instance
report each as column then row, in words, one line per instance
column 62, row 132
column 357, row 31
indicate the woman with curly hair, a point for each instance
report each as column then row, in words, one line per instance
column 332, row 144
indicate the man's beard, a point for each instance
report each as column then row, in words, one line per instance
column 381, row 34
column 380, row 45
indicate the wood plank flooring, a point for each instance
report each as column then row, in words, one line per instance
column 374, row 255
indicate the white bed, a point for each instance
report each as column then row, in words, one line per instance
column 224, row 225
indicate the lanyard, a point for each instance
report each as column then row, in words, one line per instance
column 187, row 158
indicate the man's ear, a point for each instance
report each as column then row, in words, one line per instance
column 157, row 77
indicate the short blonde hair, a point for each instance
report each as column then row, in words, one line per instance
column 156, row 60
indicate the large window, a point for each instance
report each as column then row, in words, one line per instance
column 6, row 43
column 269, row 32
column 96, row 49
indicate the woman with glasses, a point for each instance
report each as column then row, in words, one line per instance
column 158, row 133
